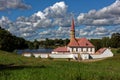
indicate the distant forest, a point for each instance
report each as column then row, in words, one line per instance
column 9, row 42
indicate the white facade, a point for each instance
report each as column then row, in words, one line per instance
column 82, row 50
column 84, row 56
column 61, row 55
column 105, row 54
column 39, row 55
column 59, row 52
column 36, row 55
column 27, row 54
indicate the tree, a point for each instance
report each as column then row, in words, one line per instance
column 115, row 40
column 97, row 43
column 36, row 44
column 105, row 42
column 8, row 42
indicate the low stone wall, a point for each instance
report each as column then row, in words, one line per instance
column 61, row 55
column 39, row 55
column 100, row 56
column 27, row 54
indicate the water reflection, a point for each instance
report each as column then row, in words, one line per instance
column 35, row 51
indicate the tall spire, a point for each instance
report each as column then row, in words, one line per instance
column 72, row 31
column 73, row 41
column 72, row 25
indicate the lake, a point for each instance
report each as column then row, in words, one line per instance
column 42, row 50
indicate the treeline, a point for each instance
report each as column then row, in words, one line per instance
column 8, row 42
column 50, row 43
column 109, row 42
column 113, row 42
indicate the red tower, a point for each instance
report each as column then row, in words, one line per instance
column 73, row 41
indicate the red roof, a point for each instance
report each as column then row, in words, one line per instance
column 73, row 42
column 81, row 42
column 101, row 50
column 61, row 49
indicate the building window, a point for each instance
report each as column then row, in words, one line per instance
column 90, row 49
column 86, row 49
column 72, row 49
column 76, row 49
column 81, row 49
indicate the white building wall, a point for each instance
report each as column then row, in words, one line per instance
column 61, row 55
column 79, row 49
column 84, row 56
column 27, row 54
column 89, row 49
column 75, row 56
column 74, row 49
column 84, row 49
column 105, row 54
column 93, row 50
column 54, row 52
column 44, row 55
column 70, row 49
column 36, row 55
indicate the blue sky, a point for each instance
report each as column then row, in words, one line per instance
column 40, row 19
column 78, row 6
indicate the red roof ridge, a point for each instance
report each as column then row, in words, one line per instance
column 100, row 51
column 61, row 49
column 84, row 42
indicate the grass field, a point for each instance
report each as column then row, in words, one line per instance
column 16, row 67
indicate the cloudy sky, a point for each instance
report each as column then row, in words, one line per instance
column 40, row 19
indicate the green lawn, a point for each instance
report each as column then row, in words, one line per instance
column 16, row 67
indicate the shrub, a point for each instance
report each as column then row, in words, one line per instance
column 118, row 50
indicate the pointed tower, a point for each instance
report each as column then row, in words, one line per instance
column 72, row 30
column 73, row 42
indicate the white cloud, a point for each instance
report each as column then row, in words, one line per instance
column 13, row 4
column 98, row 22
column 32, row 27
column 106, row 16
column 40, row 14
column 94, row 32
column 55, row 21
column 59, row 9
column 61, row 32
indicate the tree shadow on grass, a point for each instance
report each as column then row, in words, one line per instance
column 16, row 67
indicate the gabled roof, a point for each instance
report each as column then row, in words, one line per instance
column 100, row 51
column 61, row 49
column 83, row 42
column 73, row 42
